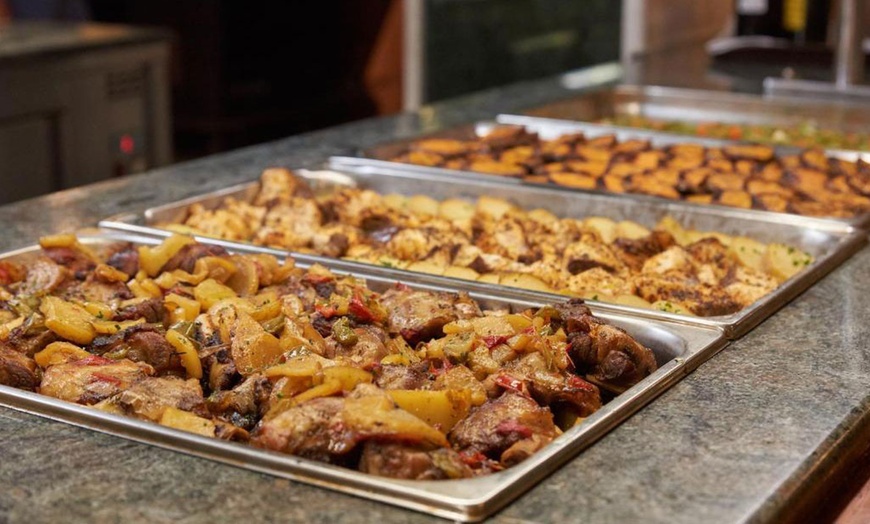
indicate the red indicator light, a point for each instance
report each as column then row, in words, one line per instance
column 127, row 144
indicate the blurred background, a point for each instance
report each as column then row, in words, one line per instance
column 93, row 89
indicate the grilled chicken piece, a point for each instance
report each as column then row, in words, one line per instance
column 597, row 280
column 149, row 398
column 589, row 252
column 403, row 377
column 406, row 462
column 277, row 185
column 30, row 337
column 312, row 430
column 549, row 387
column 419, row 316
column 77, row 262
column 634, row 253
column 43, row 277
column 496, row 427
column 92, row 379
column 291, row 225
column 125, row 260
column 93, row 289
column 17, row 370
column 711, row 251
column 746, row 285
column 187, row 256
column 150, row 309
column 241, row 406
column 140, row 343
column 698, row 297
column 367, row 350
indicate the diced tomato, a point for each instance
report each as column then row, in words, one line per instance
column 474, row 459
column 578, row 383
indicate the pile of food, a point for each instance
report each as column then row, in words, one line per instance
column 493, row 241
column 739, row 175
column 806, row 134
column 405, row 384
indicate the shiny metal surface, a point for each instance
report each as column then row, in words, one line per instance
column 679, row 349
column 830, row 242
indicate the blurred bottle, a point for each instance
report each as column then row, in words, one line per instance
column 799, row 21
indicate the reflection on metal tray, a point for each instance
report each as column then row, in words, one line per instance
column 548, row 128
column 678, row 348
column 829, row 242
column 690, row 105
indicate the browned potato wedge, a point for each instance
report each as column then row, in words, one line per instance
column 700, row 199
column 614, row 183
column 808, row 181
column 720, row 164
column 648, row 160
column 631, row 146
column 537, row 179
column 595, row 169
column 423, row 158
column 650, row 185
column 604, row 141
column 815, row 159
column 771, row 172
column 593, row 154
column 623, row 169
column 772, row 202
column 687, row 150
column 763, row 187
column 497, row 168
column 724, row 182
column 693, row 180
column 423, row 205
column 680, row 162
column 442, row 146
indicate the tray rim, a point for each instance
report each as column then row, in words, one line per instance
column 497, row 490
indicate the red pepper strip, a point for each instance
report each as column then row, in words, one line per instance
column 474, row 459
column 326, row 311
column 93, row 360
column 578, row 383
column 360, row 310
column 507, row 427
column 316, row 279
column 513, row 384
column 102, row 377
column 492, row 341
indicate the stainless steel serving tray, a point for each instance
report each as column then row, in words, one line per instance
column 679, row 349
column 549, row 128
column 830, row 242
column 692, row 105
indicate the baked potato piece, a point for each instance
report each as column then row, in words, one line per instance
column 745, row 168
column 536, row 179
column 519, row 155
column 602, row 142
column 502, row 136
column 721, row 165
column 687, row 150
column 623, row 169
column 422, row 158
column 700, row 199
column 631, row 146
column 648, row 160
column 757, row 152
column 614, row 183
column 685, row 162
column 758, row 186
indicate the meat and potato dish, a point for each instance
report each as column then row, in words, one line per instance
column 493, row 241
column 739, row 175
column 405, row 383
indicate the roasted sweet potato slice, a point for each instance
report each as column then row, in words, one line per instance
column 772, row 172
column 755, row 152
column 735, row 199
column 594, row 154
column 807, row 181
column 631, row 146
column 685, row 162
column 687, row 150
column 556, row 150
column 771, row 202
column 602, row 142
column 422, row 158
column 758, row 186
column 745, row 168
column 575, row 180
column 719, row 182
column 720, row 164
column 517, row 155
column 700, row 199
column 595, row 169
column 497, row 168
column 648, row 160
column 692, row 180
column 613, row 183
column 623, row 169
column 815, row 159
column 650, row 184
column 441, row 146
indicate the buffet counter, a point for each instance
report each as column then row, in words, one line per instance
column 759, row 432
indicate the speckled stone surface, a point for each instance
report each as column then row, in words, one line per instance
column 731, row 442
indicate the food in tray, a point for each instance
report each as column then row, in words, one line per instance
column 739, row 175
column 805, row 134
column 405, row 383
column 493, row 241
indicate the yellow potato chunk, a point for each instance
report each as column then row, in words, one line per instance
column 151, row 259
column 783, row 262
column 440, row 409
column 209, row 292
column 67, row 320
column 186, row 421
column 59, row 353
column 186, row 353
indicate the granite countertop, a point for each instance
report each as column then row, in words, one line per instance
column 745, row 437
